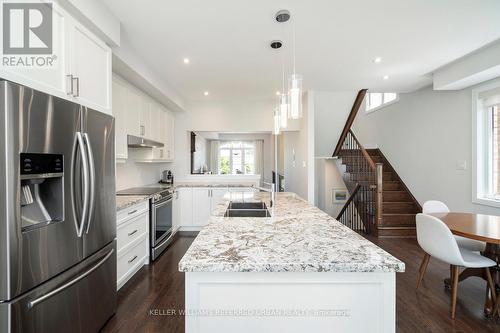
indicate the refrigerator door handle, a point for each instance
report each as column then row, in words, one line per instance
column 92, row 180
column 48, row 295
column 86, row 185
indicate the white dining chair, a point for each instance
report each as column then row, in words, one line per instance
column 436, row 239
column 434, row 206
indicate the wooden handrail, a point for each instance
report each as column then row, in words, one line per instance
column 363, row 151
column 350, row 119
column 347, row 203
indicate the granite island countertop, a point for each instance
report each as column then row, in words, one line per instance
column 298, row 237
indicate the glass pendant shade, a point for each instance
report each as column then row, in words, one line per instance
column 277, row 123
column 295, row 91
column 283, row 108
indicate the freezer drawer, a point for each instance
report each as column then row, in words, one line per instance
column 81, row 299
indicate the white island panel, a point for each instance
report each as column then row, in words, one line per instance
column 290, row 302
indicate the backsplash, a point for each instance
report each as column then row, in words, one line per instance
column 132, row 174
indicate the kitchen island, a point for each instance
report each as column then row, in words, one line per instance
column 299, row 270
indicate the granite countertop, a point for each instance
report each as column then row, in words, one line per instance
column 125, row 201
column 298, row 237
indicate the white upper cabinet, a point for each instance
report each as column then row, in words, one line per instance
column 90, row 68
column 145, row 116
column 51, row 80
column 157, row 126
column 169, row 134
column 120, row 113
column 134, row 104
column 138, row 114
column 82, row 70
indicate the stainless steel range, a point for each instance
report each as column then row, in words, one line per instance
column 160, row 216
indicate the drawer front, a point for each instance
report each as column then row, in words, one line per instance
column 132, row 211
column 130, row 259
column 131, row 230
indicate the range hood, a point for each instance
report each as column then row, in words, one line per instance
column 138, row 142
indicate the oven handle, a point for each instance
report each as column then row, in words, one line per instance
column 163, row 202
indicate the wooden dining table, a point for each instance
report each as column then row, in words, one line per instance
column 479, row 227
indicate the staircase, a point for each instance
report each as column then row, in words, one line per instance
column 380, row 203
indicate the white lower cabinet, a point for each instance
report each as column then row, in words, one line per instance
column 132, row 238
column 193, row 206
column 201, row 206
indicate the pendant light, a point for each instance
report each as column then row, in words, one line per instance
column 295, row 87
column 283, row 98
column 277, row 123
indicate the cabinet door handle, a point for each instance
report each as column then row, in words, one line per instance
column 135, row 257
column 69, row 83
column 77, row 79
column 132, row 212
column 143, row 130
column 161, row 153
column 133, row 232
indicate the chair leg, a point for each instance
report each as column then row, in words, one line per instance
column 491, row 288
column 454, row 290
column 423, row 268
column 491, row 285
column 496, row 308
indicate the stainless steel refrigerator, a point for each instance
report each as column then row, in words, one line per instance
column 57, row 214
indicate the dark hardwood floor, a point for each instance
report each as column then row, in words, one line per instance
column 160, row 287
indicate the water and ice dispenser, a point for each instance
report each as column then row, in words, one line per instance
column 42, row 189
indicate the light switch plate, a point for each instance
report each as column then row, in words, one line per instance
column 461, row 165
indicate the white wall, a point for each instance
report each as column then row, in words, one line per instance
column 132, row 174
column 425, row 136
column 331, row 110
column 298, row 153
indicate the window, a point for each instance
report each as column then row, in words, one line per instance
column 375, row 101
column 495, row 138
column 486, row 178
column 237, row 158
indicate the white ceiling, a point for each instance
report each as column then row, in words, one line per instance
column 227, row 42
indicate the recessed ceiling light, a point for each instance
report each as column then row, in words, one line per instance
column 205, row 93
column 377, row 60
column 277, row 93
column 186, row 60
column 386, row 77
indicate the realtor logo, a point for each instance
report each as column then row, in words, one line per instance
column 27, row 28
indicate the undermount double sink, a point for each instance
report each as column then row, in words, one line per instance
column 247, row 209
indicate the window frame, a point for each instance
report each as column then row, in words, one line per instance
column 482, row 148
column 243, row 151
column 383, row 105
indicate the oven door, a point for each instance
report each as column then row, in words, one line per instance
column 161, row 220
